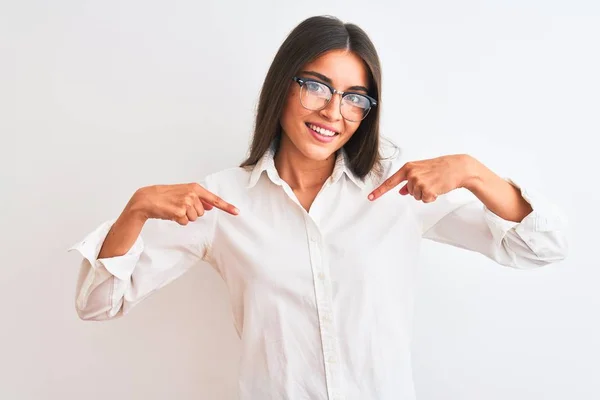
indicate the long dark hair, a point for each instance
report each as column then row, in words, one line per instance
column 310, row 39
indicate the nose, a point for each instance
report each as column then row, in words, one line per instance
column 332, row 109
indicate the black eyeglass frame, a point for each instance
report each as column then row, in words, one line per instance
column 302, row 82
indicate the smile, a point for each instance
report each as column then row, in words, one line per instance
column 321, row 131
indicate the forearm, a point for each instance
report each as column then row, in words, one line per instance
column 498, row 195
column 122, row 235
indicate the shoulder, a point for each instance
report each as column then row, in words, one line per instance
column 234, row 177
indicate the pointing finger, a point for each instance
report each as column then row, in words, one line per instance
column 389, row 184
column 213, row 200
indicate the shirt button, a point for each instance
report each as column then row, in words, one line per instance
column 321, row 276
column 313, row 238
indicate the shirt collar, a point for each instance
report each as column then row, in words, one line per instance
column 267, row 164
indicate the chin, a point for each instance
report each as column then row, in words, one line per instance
column 318, row 152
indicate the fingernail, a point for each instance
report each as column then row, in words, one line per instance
column 371, row 196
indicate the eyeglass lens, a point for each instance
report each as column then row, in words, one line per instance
column 315, row 96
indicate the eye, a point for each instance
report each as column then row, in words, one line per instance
column 357, row 100
column 315, row 87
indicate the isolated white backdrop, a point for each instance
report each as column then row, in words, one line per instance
column 100, row 98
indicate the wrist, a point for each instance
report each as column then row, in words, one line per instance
column 134, row 211
column 474, row 173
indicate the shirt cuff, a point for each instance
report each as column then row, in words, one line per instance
column 120, row 266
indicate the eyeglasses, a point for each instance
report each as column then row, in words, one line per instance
column 316, row 95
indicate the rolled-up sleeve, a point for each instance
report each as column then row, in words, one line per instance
column 109, row 287
column 461, row 220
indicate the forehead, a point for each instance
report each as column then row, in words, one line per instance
column 343, row 67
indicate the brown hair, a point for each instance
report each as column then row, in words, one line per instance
column 310, row 39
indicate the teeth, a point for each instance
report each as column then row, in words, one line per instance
column 324, row 132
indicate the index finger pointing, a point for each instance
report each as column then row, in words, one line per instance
column 388, row 184
column 214, row 200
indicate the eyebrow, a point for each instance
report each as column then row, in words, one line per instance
column 329, row 81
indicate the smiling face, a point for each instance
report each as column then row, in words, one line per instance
column 319, row 134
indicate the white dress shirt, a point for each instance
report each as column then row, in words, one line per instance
column 322, row 300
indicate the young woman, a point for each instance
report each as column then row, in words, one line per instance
column 319, row 263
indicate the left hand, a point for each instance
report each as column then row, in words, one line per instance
column 428, row 179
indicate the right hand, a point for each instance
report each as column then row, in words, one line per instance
column 181, row 203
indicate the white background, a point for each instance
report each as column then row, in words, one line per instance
column 100, row 98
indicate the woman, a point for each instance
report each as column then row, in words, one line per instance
column 320, row 265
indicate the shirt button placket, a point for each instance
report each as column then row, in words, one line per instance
column 323, row 293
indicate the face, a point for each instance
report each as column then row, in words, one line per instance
column 310, row 132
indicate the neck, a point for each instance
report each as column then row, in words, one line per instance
column 298, row 171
